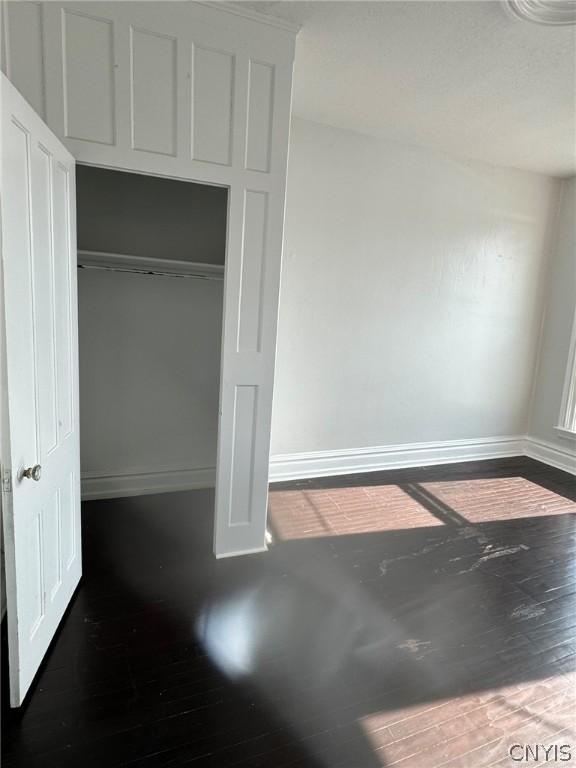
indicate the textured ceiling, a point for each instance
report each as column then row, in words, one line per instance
column 466, row 78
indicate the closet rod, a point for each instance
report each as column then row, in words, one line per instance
column 144, row 265
column 159, row 273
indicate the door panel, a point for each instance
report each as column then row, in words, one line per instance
column 260, row 106
column 40, row 385
column 44, row 275
column 153, row 88
column 88, row 69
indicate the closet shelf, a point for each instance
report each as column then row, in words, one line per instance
column 120, row 262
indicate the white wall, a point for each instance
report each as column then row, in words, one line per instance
column 150, row 216
column 149, row 372
column 559, row 316
column 411, row 295
column 411, row 305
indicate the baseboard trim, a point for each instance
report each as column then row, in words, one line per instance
column 345, row 462
column 113, row 486
column 300, row 466
column 553, row 455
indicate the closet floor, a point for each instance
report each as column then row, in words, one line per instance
column 421, row 617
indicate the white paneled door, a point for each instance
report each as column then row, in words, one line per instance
column 40, row 439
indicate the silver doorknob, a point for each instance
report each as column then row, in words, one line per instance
column 33, row 473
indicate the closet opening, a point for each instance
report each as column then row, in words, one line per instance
column 151, row 254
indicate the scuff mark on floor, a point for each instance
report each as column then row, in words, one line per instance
column 525, row 611
column 491, row 555
column 383, row 565
column 416, row 647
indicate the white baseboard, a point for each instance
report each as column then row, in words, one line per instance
column 560, row 457
column 139, row 483
column 344, row 462
column 298, row 466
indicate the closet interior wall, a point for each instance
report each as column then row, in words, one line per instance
column 149, row 343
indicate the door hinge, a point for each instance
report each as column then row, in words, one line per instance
column 6, row 481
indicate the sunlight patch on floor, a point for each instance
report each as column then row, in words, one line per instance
column 502, row 498
column 477, row 730
column 340, row 511
column 319, row 512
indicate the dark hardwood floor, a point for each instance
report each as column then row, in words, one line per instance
column 420, row 617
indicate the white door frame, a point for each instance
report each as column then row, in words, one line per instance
column 201, row 182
